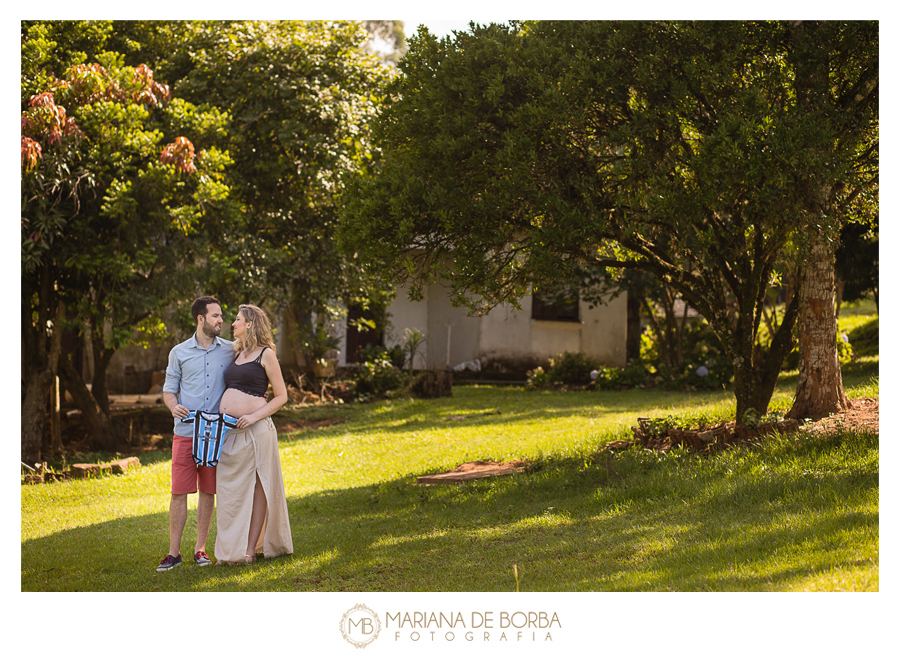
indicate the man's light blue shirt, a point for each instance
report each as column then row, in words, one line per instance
column 196, row 376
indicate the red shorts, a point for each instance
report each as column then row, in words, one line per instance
column 186, row 475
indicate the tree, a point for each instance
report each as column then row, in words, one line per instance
column 113, row 199
column 836, row 81
column 299, row 96
column 677, row 149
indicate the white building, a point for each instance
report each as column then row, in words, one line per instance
column 517, row 339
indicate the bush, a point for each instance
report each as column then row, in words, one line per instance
column 700, row 349
column 378, row 378
column 634, row 376
column 864, row 338
column 537, row 379
column 372, row 353
column 568, row 369
column 572, row 368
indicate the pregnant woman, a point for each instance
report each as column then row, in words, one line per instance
column 252, row 514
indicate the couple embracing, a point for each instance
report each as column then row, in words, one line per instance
column 216, row 388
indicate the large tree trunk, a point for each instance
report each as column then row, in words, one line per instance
column 37, row 375
column 36, row 386
column 756, row 372
column 103, row 433
column 770, row 364
column 102, row 356
column 820, row 389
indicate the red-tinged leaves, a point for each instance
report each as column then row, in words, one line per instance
column 181, row 154
column 31, row 153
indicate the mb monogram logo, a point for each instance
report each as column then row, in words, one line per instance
column 360, row 626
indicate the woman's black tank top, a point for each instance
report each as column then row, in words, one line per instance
column 250, row 377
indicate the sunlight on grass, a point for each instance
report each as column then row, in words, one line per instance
column 793, row 513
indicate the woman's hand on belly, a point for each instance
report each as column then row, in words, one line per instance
column 246, row 421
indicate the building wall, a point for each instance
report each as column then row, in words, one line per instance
column 507, row 333
column 605, row 331
column 403, row 315
column 453, row 336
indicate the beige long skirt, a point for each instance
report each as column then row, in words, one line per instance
column 246, row 454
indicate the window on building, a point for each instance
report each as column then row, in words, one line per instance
column 559, row 306
column 358, row 333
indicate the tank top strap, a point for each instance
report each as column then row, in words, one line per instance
column 259, row 358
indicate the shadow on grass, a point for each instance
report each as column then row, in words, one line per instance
column 630, row 522
column 507, row 406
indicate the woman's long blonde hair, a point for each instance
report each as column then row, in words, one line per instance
column 259, row 333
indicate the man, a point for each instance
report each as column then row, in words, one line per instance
column 194, row 382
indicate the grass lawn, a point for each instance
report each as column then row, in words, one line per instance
column 795, row 513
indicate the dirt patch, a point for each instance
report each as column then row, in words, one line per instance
column 861, row 416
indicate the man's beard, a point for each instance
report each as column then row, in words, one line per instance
column 211, row 331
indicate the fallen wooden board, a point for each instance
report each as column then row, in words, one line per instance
column 118, row 467
column 473, row 471
column 128, row 400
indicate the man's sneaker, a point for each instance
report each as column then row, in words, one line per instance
column 169, row 562
column 201, row 559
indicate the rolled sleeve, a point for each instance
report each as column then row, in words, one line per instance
column 173, row 373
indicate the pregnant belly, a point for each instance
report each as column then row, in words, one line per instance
column 237, row 403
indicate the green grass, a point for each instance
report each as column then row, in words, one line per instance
column 798, row 513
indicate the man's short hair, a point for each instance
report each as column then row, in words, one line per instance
column 200, row 304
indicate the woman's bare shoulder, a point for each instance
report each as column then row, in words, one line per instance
column 269, row 357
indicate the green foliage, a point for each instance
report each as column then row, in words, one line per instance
column 752, row 417
column 679, row 149
column 395, row 355
column 114, row 203
column 133, row 200
column 319, row 342
column 856, row 261
column 864, row 338
column 844, row 348
column 378, row 377
column 298, row 96
column 568, row 369
column 687, row 420
column 413, row 341
column 700, row 347
column 634, row 375
column 572, row 368
column 538, row 379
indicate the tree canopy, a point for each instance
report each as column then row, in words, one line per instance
column 162, row 159
column 681, row 149
column 299, row 96
column 114, row 195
